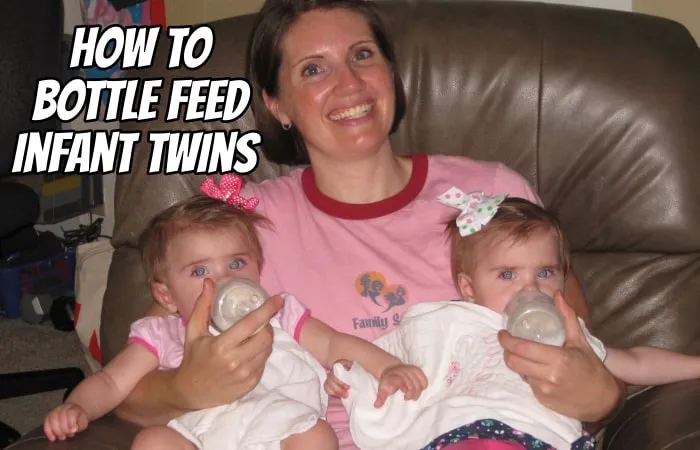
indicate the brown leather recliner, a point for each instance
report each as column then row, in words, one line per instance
column 599, row 110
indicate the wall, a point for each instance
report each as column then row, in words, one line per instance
column 686, row 12
column 621, row 5
column 187, row 12
column 71, row 15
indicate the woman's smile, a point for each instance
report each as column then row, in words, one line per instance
column 352, row 113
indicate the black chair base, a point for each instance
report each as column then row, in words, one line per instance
column 38, row 381
column 8, row 435
column 35, row 382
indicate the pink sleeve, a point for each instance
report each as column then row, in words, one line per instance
column 512, row 183
column 293, row 315
column 149, row 332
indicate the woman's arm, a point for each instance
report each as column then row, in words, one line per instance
column 577, row 299
column 650, row 366
column 215, row 369
column 329, row 346
column 153, row 401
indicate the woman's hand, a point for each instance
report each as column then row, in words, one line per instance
column 221, row 369
column 570, row 380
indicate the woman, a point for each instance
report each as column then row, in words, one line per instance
column 364, row 220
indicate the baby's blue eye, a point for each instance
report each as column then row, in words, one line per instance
column 507, row 275
column 544, row 273
column 237, row 264
column 199, row 272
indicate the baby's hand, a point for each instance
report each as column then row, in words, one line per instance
column 408, row 379
column 333, row 386
column 64, row 421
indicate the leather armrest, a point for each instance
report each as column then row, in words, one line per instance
column 663, row 417
column 109, row 432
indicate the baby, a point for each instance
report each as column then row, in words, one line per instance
column 213, row 236
column 500, row 248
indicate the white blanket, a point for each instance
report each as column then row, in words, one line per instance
column 289, row 399
column 455, row 343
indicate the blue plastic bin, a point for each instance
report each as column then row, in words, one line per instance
column 53, row 274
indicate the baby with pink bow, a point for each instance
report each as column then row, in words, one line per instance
column 213, row 236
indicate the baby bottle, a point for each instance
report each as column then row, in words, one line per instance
column 233, row 300
column 532, row 315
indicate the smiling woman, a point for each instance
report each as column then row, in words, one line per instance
column 366, row 221
column 345, row 43
column 346, row 86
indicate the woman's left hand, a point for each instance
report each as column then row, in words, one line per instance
column 570, row 380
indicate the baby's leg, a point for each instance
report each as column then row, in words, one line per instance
column 161, row 437
column 321, row 436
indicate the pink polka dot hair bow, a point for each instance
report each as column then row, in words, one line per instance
column 477, row 208
column 227, row 191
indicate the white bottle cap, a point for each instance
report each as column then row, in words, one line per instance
column 233, row 300
column 532, row 315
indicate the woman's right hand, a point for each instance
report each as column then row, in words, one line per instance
column 216, row 370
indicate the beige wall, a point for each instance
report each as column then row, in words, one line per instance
column 188, row 12
column 686, row 12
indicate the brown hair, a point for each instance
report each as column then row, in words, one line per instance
column 198, row 213
column 516, row 219
column 265, row 57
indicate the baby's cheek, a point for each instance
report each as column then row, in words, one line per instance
column 552, row 285
column 497, row 304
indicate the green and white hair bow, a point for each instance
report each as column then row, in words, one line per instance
column 476, row 208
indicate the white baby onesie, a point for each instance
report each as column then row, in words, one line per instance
column 456, row 345
column 289, row 398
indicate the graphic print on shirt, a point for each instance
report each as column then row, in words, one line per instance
column 373, row 287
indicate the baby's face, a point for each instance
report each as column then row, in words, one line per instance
column 505, row 268
column 196, row 255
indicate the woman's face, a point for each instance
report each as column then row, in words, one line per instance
column 336, row 87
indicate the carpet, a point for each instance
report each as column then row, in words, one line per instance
column 25, row 347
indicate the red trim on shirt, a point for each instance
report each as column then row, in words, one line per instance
column 419, row 174
column 147, row 345
column 300, row 323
